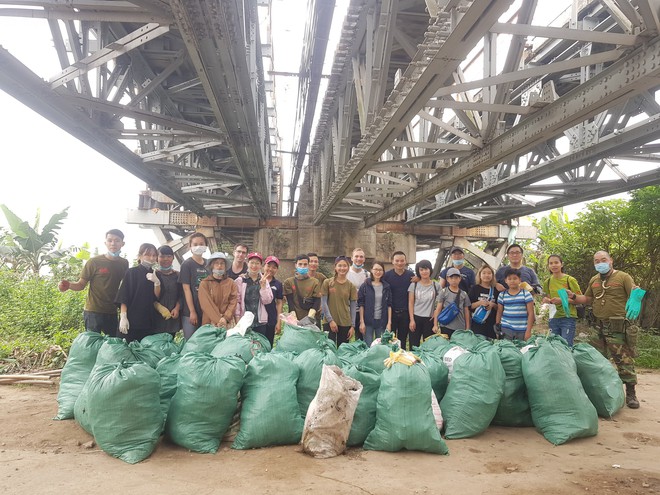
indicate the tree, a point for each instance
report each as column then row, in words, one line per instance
column 26, row 249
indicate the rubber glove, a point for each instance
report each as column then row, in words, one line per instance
column 526, row 286
column 563, row 295
column 123, row 323
column 634, row 304
column 152, row 277
column 164, row 312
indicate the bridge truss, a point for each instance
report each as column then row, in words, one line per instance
column 173, row 91
column 466, row 113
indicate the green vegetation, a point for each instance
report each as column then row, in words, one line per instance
column 649, row 351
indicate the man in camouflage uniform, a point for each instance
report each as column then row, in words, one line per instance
column 607, row 294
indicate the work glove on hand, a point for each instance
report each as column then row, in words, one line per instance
column 123, row 323
column 152, row 277
column 164, row 312
column 634, row 304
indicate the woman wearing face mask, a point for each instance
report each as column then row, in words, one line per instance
column 168, row 292
column 218, row 294
column 193, row 271
column 137, row 294
column 254, row 293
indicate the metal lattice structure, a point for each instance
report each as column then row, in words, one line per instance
column 172, row 91
column 467, row 113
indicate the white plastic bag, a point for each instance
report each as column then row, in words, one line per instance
column 451, row 356
column 330, row 414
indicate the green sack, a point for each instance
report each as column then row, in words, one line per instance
column 270, row 414
column 435, row 342
column 77, row 368
column 364, row 418
column 115, row 351
column 124, row 410
column 437, row 369
column 560, row 407
column 349, row 349
column 81, row 408
column 205, row 400
column 168, row 370
column 204, row 339
column 600, row 380
column 163, row 342
column 311, row 364
column 404, row 417
column 466, row 338
column 474, row 392
column 298, row 339
column 246, row 347
column 150, row 355
column 374, row 358
column 513, row 409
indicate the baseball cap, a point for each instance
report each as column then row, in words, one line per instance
column 255, row 255
column 216, row 256
column 273, row 259
column 453, row 272
column 456, row 249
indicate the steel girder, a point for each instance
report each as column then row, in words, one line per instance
column 484, row 145
column 174, row 92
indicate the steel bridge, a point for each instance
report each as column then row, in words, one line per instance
column 446, row 113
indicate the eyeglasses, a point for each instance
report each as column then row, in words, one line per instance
column 514, row 252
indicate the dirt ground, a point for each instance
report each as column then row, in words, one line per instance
column 42, row 456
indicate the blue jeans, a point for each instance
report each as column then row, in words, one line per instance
column 374, row 331
column 564, row 327
column 188, row 328
column 101, row 322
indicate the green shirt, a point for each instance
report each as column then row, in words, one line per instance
column 340, row 296
column 610, row 297
column 104, row 277
column 297, row 289
column 551, row 287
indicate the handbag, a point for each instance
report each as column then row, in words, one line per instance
column 481, row 314
column 448, row 314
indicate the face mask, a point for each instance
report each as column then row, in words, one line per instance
column 147, row 264
column 218, row 273
column 358, row 266
column 602, row 268
column 198, row 250
column 457, row 262
column 164, row 269
column 114, row 255
column 302, row 271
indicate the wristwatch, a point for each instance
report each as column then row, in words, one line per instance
column 574, row 297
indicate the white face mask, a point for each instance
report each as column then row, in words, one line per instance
column 198, row 250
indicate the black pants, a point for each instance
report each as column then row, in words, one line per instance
column 340, row 337
column 400, row 323
column 423, row 328
column 356, row 326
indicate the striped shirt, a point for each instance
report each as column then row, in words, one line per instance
column 514, row 315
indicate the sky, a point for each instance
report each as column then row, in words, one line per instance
column 46, row 169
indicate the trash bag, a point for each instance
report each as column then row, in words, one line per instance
column 244, row 346
column 75, row 373
column 311, row 364
column 364, row 418
column 205, row 400
column 513, row 409
column 270, row 413
column 404, row 415
column 81, row 409
column 437, row 369
column 150, row 355
column 450, row 356
column 374, row 358
column 466, row 338
column 560, row 407
column 204, row 339
column 474, row 392
column 600, row 380
column 330, row 416
column 163, row 342
column 435, row 342
column 115, row 351
column 298, row 339
column 168, row 370
column 124, row 410
column 349, row 349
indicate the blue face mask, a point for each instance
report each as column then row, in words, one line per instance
column 457, row 262
column 164, row 269
column 302, row 271
column 602, row 268
column 358, row 266
column 114, row 255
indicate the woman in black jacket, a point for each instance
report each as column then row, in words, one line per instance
column 375, row 303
